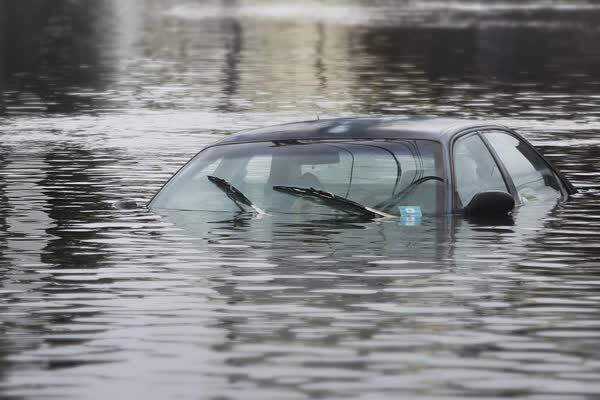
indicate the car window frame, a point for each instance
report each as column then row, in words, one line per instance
column 503, row 171
column 566, row 189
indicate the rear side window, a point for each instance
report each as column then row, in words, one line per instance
column 475, row 169
column 532, row 177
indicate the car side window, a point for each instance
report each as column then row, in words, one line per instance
column 475, row 170
column 532, row 177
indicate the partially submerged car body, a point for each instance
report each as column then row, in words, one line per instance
column 394, row 166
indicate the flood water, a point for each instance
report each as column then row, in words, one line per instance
column 102, row 101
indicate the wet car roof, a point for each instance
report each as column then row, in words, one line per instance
column 429, row 128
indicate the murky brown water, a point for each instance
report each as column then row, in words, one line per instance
column 102, row 101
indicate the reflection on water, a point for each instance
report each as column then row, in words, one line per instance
column 103, row 101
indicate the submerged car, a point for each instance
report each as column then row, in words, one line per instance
column 372, row 167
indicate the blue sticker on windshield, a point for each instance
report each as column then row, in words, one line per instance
column 410, row 211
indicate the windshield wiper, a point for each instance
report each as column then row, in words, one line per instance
column 234, row 194
column 332, row 200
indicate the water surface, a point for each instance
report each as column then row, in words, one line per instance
column 102, row 101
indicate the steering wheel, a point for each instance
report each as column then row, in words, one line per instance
column 384, row 205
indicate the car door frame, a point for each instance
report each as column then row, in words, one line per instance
column 566, row 188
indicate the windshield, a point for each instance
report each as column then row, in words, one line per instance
column 388, row 175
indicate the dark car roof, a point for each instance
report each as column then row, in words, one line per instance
column 430, row 128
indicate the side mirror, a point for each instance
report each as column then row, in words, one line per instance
column 490, row 204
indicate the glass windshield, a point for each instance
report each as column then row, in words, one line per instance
column 384, row 175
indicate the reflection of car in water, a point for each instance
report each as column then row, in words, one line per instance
column 281, row 238
column 374, row 167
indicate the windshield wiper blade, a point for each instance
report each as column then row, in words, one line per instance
column 234, row 194
column 332, row 200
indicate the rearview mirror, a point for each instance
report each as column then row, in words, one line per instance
column 490, row 204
